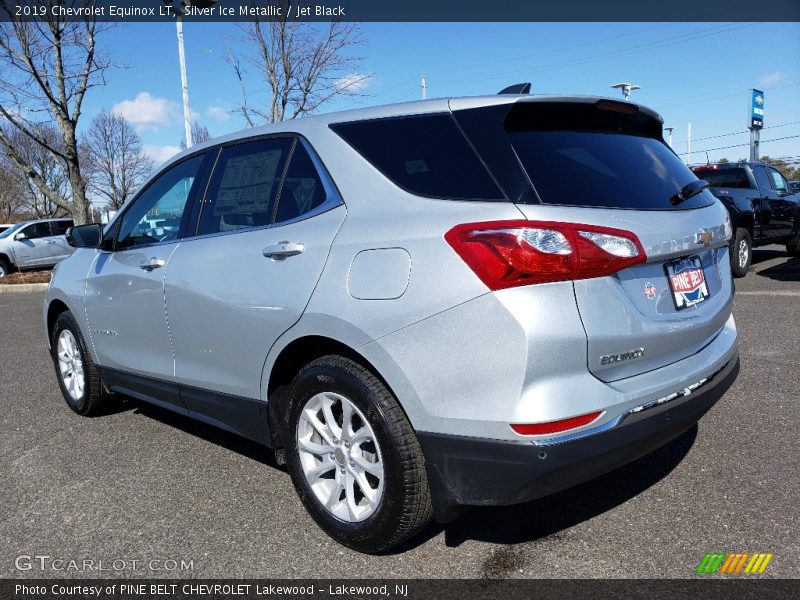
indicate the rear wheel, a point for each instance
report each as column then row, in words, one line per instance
column 741, row 253
column 354, row 459
column 78, row 376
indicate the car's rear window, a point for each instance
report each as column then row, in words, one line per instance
column 426, row 155
column 604, row 169
column 725, row 178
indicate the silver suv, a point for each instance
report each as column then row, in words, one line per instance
column 31, row 244
column 421, row 307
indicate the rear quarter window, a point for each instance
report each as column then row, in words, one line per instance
column 426, row 155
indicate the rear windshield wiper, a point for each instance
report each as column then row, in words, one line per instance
column 688, row 191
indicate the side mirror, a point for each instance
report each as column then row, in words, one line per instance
column 85, row 236
column 20, row 236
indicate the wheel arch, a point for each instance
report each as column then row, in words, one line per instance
column 54, row 308
column 292, row 358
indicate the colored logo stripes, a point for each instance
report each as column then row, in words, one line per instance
column 735, row 562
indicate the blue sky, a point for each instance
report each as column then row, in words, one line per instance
column 689, row 72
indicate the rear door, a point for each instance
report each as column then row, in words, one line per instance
column 59, row 249
column 266, row 225
column 605, row 164
column 784, row 206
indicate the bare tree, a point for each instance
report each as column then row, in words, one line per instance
column 48, row 65
column 199, row 135
column 303, row 65
column 116, row 162
column 44, row 163
column 11, row 193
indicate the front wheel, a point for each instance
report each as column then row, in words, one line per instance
column 5, row 267
column 354, row 458
column 741, row 253
column 78, row 376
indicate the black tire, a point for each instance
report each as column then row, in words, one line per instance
column 741, row 253
column 5, row 267
column 793, row 247
column 94, row 399
column 404, row 507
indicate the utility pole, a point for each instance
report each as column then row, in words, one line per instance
column 689, row 145
column 179, row 11
column 669, row 130
column 424, row 86
column 187, row 125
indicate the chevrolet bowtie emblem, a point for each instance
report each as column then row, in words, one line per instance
column 704, row 236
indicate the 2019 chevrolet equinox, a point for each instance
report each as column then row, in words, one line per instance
column 423, row 307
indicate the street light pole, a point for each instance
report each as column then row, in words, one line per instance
column 187, row 122
column 669, row 130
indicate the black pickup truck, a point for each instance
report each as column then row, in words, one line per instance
column 762, row 207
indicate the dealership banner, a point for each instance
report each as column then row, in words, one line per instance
column 402, row 10
column 345, row 589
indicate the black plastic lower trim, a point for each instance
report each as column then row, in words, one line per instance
column 243, row 416
column 465, row 471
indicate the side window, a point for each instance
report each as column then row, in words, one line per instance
column 59, row 227
column 37, row 230
column 302, row 189
column 778, row 182
column 155, row 215
column 762, row 179
column 426, row 155
column 244, row 186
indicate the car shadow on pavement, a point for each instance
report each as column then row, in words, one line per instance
column 548, row 516
column 785, row 271
column 764, row 254
column 527, row 522
column 209, row 433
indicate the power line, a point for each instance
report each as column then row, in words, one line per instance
column 788, row 137
column 721, row 135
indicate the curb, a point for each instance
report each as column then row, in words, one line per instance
column 11, row 288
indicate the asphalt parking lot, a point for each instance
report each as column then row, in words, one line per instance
column 142, row 484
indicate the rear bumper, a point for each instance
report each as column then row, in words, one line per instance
column 467, row 471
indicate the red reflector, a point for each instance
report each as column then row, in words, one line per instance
column 555, row 426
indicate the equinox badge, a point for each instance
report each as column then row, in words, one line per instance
column 610, row 359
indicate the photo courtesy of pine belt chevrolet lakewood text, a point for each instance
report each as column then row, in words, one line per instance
column 422, row 307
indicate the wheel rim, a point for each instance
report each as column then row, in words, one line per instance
column 70, row 364
column 744, row 253
column 340, row 457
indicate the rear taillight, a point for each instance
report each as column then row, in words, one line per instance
column 555, row 426
column 507, row 254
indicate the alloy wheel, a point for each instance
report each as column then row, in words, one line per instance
column 340, row 457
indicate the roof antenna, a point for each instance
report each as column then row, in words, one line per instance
column 517, row 88
column 708, row 162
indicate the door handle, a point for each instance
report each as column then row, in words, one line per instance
column 153, row 263
column 283, row 250
column 49, row 241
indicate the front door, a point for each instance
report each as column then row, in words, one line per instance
column 125, row 287
column 33, row 249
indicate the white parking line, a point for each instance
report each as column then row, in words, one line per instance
column 792, row 293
